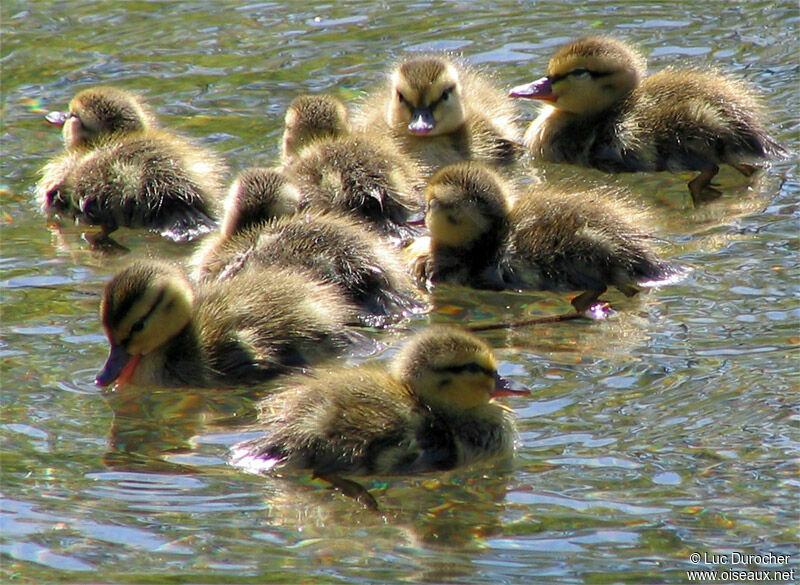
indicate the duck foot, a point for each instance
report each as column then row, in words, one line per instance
column 598, row 311
column 701, row 188
column 102, row 242
column 351, row 489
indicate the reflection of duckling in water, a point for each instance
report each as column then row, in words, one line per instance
column 604, row 113
column 334, row 249
column 441, row 111
column 338, row 172
column 249, row 328
column 432, row 410
column 549, row 240
column 117, row 170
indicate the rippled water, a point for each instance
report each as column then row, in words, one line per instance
column 669, row 429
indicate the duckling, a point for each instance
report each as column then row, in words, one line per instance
column 310, row 118
column 119, row 170
column 257, row 195
column 430, row 410
column 548, row 240
column 164, row 331
column 603, row 112
column 334, row 249
column 336, row 171
column 441, row 111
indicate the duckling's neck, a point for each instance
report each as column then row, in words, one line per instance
column 179, row 363
column 475, row 263
column 436, row 151
column 589, row 140
column 483, row 431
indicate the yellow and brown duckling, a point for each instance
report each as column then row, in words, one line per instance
column 165, row 331
column 440, row 110
column 257, row 195
column 431, row 410
column 336, row 171
column 603, row 112
column 334, row 249
column 311, row 118
column 119, row 170
column 548, row 239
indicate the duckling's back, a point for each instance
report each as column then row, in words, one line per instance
column 695, row 115
column 148, row 182
column 357, row 420
column 362, row 178
column 563, row 241
column 258, row 324
column 334, row 249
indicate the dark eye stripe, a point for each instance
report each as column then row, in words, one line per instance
column 445, row 94
column 579, row 71
column 471, row 368
column 139, row 325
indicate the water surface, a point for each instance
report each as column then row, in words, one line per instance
column 669, row 429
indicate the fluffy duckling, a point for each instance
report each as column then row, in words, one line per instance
column 118, row 170
column 603, row 112
column 441, row 111
column 310, row 118
column 431, row 410
column 338, row 172
column 334, row 249
column 163, row 331
column 257, row 195
column 548, row 240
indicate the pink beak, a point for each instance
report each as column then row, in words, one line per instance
column 119, row 367
column 541, row 89
column 503, row 388
column 56, row 119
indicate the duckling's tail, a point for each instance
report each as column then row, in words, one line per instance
column 664, row 273
column 247, row 455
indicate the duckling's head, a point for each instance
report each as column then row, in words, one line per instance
column 465, row 201
column 99, row 112
column 449, row 369
column 256, row 196
column 587, row 76
column 143, row 307
column 313, row 117
column 426, row 97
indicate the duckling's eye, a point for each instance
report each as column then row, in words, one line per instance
column 580, row 72
column 470, row 368
column 138, row 326
column 401, row 98
column 473, row 368
column 446, row 94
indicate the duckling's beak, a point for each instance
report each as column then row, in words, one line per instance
column 422, row 121
column 502, row 387
column 119, row 367
column 541, row 89
column 56, row 119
